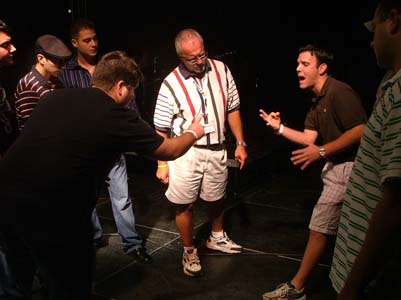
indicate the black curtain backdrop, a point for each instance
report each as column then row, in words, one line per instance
column 259, row 45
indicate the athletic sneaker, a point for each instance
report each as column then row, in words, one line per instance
column 191, row 263
column 223, row 244
column 285, row 291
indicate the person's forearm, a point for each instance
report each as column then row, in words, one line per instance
column 163, row 134
column 173, row 148
column 349, row 138
column 305, row 137
column 235, row 123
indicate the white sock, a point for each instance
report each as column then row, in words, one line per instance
column 218, row 235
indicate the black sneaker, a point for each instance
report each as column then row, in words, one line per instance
column 141, row 256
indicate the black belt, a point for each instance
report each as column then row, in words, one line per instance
column 213, row 147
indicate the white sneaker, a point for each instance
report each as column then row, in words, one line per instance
column 223, row 244
column 285, row 291
column 191, row 263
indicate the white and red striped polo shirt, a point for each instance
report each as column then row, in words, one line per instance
column 182, row 97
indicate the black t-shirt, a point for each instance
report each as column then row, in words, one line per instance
column 70, row 140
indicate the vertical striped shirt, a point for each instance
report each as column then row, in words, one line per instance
column 378, row 159
column 75, row 76
column 30, row 89
column 182, row 97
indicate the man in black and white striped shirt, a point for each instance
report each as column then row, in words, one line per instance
column 51, row 55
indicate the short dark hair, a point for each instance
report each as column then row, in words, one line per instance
column 79, row 24
column 4, row 27
column 323, row 56
column 385, row 6
column 115, row 66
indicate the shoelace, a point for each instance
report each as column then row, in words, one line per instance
column 282, row 290
column 221, row 239
column 193, row 258
column 230, row 242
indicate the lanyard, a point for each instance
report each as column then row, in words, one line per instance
column 203, row 92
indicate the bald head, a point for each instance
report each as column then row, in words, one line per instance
column 187, row 37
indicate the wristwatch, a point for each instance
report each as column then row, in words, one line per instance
column 322, row 152
column 241, row 143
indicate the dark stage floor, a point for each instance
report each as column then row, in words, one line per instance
column 268, row 210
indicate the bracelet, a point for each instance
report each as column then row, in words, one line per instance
column 193, row 133
column 280, row 130
column 162, row 166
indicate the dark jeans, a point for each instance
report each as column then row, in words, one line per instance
column 63, row 255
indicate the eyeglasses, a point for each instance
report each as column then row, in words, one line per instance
column 193, row 60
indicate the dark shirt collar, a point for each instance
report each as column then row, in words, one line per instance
column 323, row 91
column 72, row 63
column 187, row 74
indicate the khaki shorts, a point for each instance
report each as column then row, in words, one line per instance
column 326, row 213
column 199, row 171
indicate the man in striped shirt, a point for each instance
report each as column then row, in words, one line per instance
column 78, row 74
column 51, row 55
column 368, row 242
column 199, row 86
column 79, row 69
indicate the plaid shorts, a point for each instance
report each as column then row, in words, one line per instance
column 326, row 213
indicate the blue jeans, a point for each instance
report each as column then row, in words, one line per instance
column 122, row 208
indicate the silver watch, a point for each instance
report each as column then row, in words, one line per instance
column 322, row 152
column 241, row 143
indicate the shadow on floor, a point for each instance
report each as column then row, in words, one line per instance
column 268, row 209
